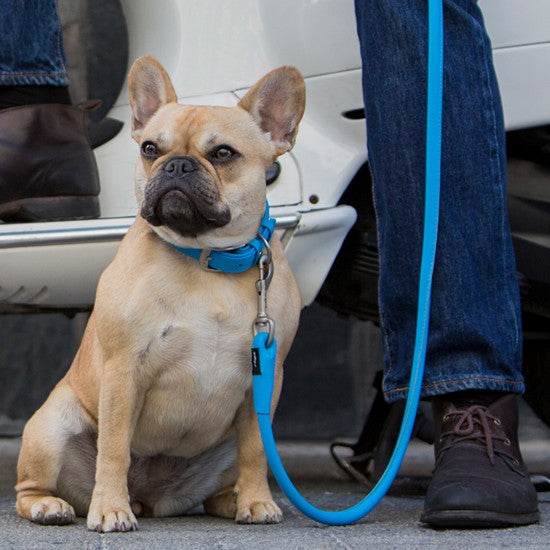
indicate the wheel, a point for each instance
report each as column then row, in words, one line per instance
column 536, row 369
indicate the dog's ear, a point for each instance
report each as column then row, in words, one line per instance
column 277, row 103
column 149, row 87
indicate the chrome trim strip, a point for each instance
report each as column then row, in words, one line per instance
column 49, row 237
column 287, row 221
column 89, row 234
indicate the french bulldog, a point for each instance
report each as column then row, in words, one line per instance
column 155, row 416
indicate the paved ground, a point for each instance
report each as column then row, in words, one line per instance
column 393, row 524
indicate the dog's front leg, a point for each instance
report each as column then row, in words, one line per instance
column 255, row 503
column 119, row 405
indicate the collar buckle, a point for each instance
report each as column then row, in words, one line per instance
column 234, row 260
column 204, row 259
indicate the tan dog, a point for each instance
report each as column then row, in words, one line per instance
column 155, row 415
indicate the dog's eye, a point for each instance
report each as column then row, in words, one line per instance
column 149, row 149
column 223, row 153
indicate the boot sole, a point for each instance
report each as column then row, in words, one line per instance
column 457, row 519
column 50, row 209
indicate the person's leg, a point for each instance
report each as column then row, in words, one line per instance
column 32, row 60
column 474, row 346
column 475, row 332
column 47, row 167
column 31, row 44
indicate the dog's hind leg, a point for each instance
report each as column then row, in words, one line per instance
column 42, row 453
column 223, row 504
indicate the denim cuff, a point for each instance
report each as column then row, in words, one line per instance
column 443, row 387
column 31, row 44
column 37, row 79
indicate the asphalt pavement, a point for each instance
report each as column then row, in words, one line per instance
column 393, row 524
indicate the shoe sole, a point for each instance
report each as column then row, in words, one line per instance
column 50, row 209
column 457, row 519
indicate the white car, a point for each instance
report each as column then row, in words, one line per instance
column 214, row 51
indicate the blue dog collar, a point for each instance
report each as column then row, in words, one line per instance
column 234, row 260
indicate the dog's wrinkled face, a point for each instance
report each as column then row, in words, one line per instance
column 202, row 168
column 201, row 178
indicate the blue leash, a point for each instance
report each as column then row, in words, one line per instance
column 264, row 351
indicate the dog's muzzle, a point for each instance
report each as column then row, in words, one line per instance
column 183, row 197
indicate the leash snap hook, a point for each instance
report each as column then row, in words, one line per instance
column 266, row 261
column 263, row 322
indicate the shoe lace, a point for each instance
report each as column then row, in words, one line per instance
column 473, row 424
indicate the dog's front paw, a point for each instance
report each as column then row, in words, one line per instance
column 47, row 510
column 108, row 518
column 259, row 511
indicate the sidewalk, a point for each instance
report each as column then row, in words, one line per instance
column 393, row 524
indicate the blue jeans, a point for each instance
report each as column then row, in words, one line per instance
column 475, row 323
column 31, row 44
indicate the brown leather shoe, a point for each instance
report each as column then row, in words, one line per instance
column 47, row 167
column 479, row 478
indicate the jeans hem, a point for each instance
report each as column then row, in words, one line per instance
column 53, row 79
column 449, row 386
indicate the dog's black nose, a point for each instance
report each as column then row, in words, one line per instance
column 179, row 166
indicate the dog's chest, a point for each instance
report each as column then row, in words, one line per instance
column 198, row 362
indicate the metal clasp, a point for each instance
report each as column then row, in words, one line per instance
column 204, row 259
column 263, row 322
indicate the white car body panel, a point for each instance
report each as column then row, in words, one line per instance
column 214, row 51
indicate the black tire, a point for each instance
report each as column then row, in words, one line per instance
column 536, row 369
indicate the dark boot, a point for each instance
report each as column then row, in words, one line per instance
column 47, row 167
column 479, row 478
